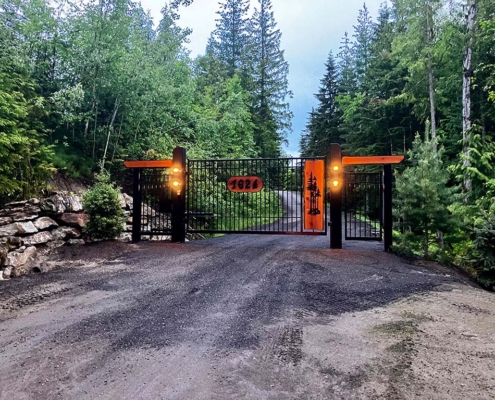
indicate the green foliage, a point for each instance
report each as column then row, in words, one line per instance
column 102, row 204
column 24, row 156
column 73, row 163
column 482, row 248
column 323, row 127
column 269, row 82
column 423, row 198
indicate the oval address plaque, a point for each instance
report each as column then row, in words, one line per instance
column 245, row 184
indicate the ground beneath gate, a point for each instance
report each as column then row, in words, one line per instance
column 247, row 317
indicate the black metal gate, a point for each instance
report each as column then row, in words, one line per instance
column 363, row 206
column 274, row 205
column 153, row 203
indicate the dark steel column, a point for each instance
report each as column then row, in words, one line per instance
column 136, row 205
column 179, row 196
column 387, row 207
column 334, row 160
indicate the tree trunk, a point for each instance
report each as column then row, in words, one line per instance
column 118, row 138
column 466, row 92
column 431, row 77
column 110, row 128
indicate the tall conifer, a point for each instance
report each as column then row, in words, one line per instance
column 270, row 87
column 324, row 123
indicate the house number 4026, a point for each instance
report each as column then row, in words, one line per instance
column 245, row 184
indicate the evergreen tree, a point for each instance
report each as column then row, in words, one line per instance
column 363, row 35
column 422, row 198
column 347, row 68
column 323, row 127
column 378, row 120
column 270, row 87
column 230, row 40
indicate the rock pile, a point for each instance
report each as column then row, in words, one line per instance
column 33, row 227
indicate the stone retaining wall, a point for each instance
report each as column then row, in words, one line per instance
column 33, row 227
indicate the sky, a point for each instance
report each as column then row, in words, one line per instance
column 310, row 30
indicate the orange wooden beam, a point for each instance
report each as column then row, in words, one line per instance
column 372, row 160
column 149, row 164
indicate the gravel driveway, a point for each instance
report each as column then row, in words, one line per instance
column 244, row 317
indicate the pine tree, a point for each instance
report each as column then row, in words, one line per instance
column 270, row 87
column 230, row 39
column 346, row 66
column 323, row 126
column 423, row 197
column 378, row 119
column 363, row 35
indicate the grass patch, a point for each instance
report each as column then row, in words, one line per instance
column 423, row 317
column 398, row 328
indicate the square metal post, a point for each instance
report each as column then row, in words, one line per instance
column 136, row 205
column 387, row 207
column 335, row 183
column 179, row 195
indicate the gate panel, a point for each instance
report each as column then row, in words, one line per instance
column 156, row 204
column 363, row 206
column 224, row 196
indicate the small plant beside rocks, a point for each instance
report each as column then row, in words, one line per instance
column 103, row 206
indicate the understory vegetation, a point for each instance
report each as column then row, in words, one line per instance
column 420, row 81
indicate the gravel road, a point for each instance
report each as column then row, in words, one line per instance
column 244, row 317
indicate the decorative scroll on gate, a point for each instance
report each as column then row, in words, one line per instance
column 314, row 210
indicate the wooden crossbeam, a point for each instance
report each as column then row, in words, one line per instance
column 149, row 164
column 370, row 160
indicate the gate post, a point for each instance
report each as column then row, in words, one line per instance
column 335, row 183
column 387, row 207
column 179, row 195
column 136, row 205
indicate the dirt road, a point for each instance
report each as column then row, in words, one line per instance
column 244, row 317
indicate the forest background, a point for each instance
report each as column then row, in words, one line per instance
column 87, row 84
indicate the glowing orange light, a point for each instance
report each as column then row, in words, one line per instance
column 336, row 167
column 176, row 183
column 176, row 170
column 336, row 183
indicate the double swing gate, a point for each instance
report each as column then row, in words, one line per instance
column 288, row 196
column 263, row 196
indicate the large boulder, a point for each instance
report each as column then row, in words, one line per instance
column 76, row 242
column 128, row 201
column 25, row 214
column 9, row 230
column 45, row 223
column 54, row 204
column 25, row 228
column 11, row 242
column 22, row 262
column 5, row 221
column 65, row 232
column 16, row 203
column 125, row 237
column 122, row 201
column 75, row 220
column 38, row 238
column 73, row 204
column 4, row 251
column 5, row 273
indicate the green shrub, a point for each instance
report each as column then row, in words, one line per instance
column 482, row 247
column 422, row 201
column 102, row 204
